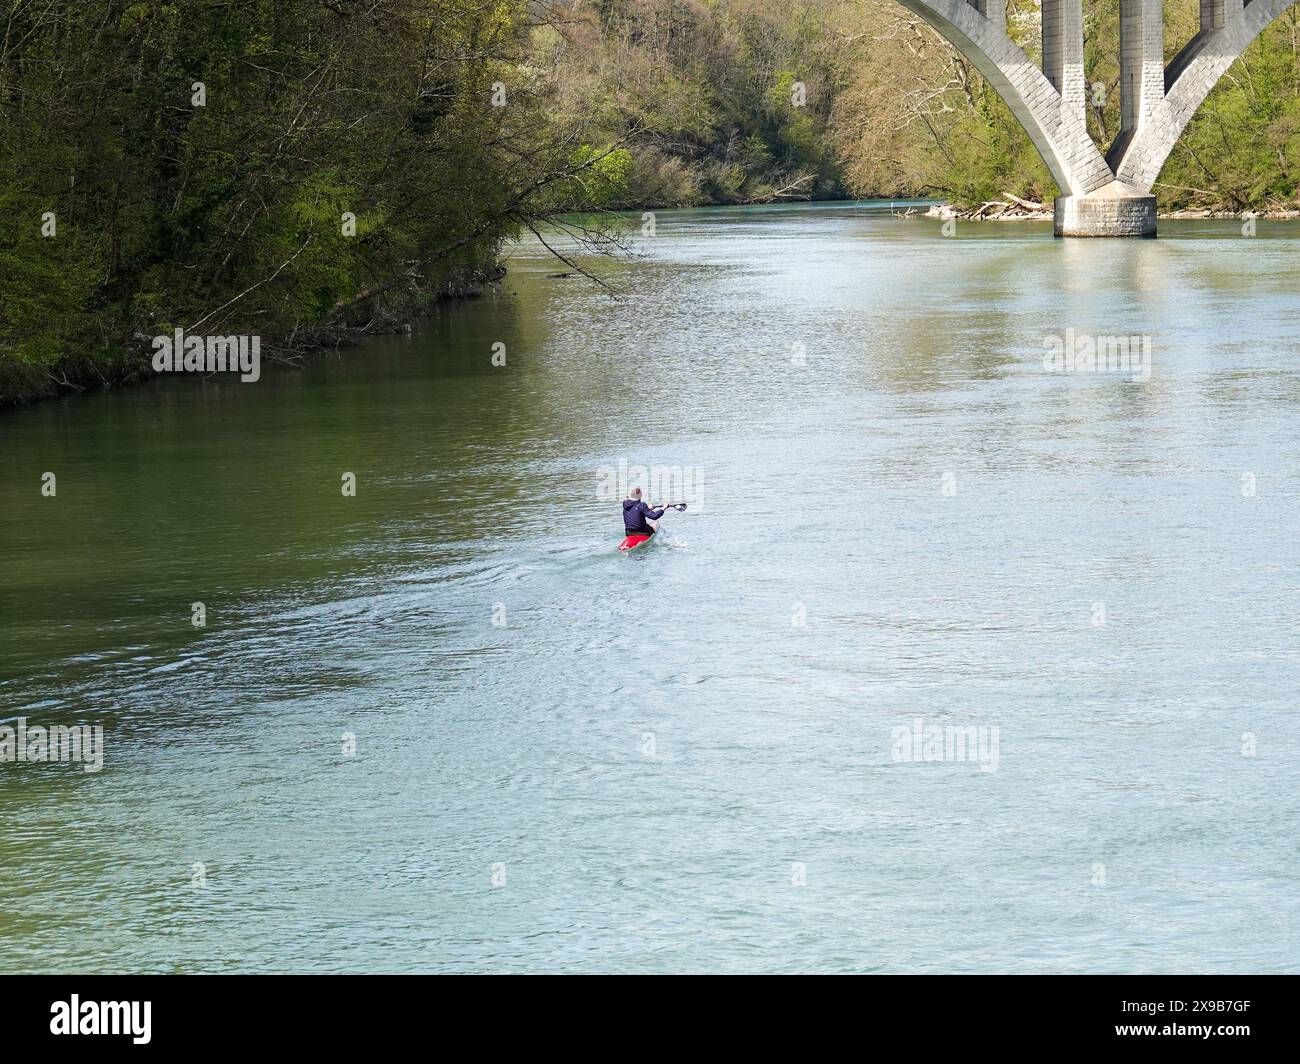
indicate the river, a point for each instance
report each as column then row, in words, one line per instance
column 443, row 725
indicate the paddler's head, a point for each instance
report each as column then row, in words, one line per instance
column 636, row 493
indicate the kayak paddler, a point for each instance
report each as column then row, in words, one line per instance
column 636, row 519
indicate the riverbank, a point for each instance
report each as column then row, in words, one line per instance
column 21, row 384
column 96, row 367
column 1013, row 209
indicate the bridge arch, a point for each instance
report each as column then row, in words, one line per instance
column 1106, row 195
column 1058, row 131
column 1189, row 79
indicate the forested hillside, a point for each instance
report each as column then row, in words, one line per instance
column 718, row 102
column 295, row 168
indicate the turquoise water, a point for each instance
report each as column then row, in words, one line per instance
column 684, row 759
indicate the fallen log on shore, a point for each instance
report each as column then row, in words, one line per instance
column 1014, row 209
column 1009, row 208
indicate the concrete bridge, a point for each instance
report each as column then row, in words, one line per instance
column 1106, row 195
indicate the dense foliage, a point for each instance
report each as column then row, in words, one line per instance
column 719, row 102
column 191, row 163
column 199, row 164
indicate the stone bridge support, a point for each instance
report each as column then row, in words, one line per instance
column 1110, row 195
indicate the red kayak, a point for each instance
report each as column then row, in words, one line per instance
column 638, row 539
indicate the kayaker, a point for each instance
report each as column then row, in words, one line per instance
column 636, row 519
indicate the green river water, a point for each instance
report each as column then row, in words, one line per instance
column 684, row 759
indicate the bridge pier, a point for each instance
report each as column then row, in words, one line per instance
column 1116, row 209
